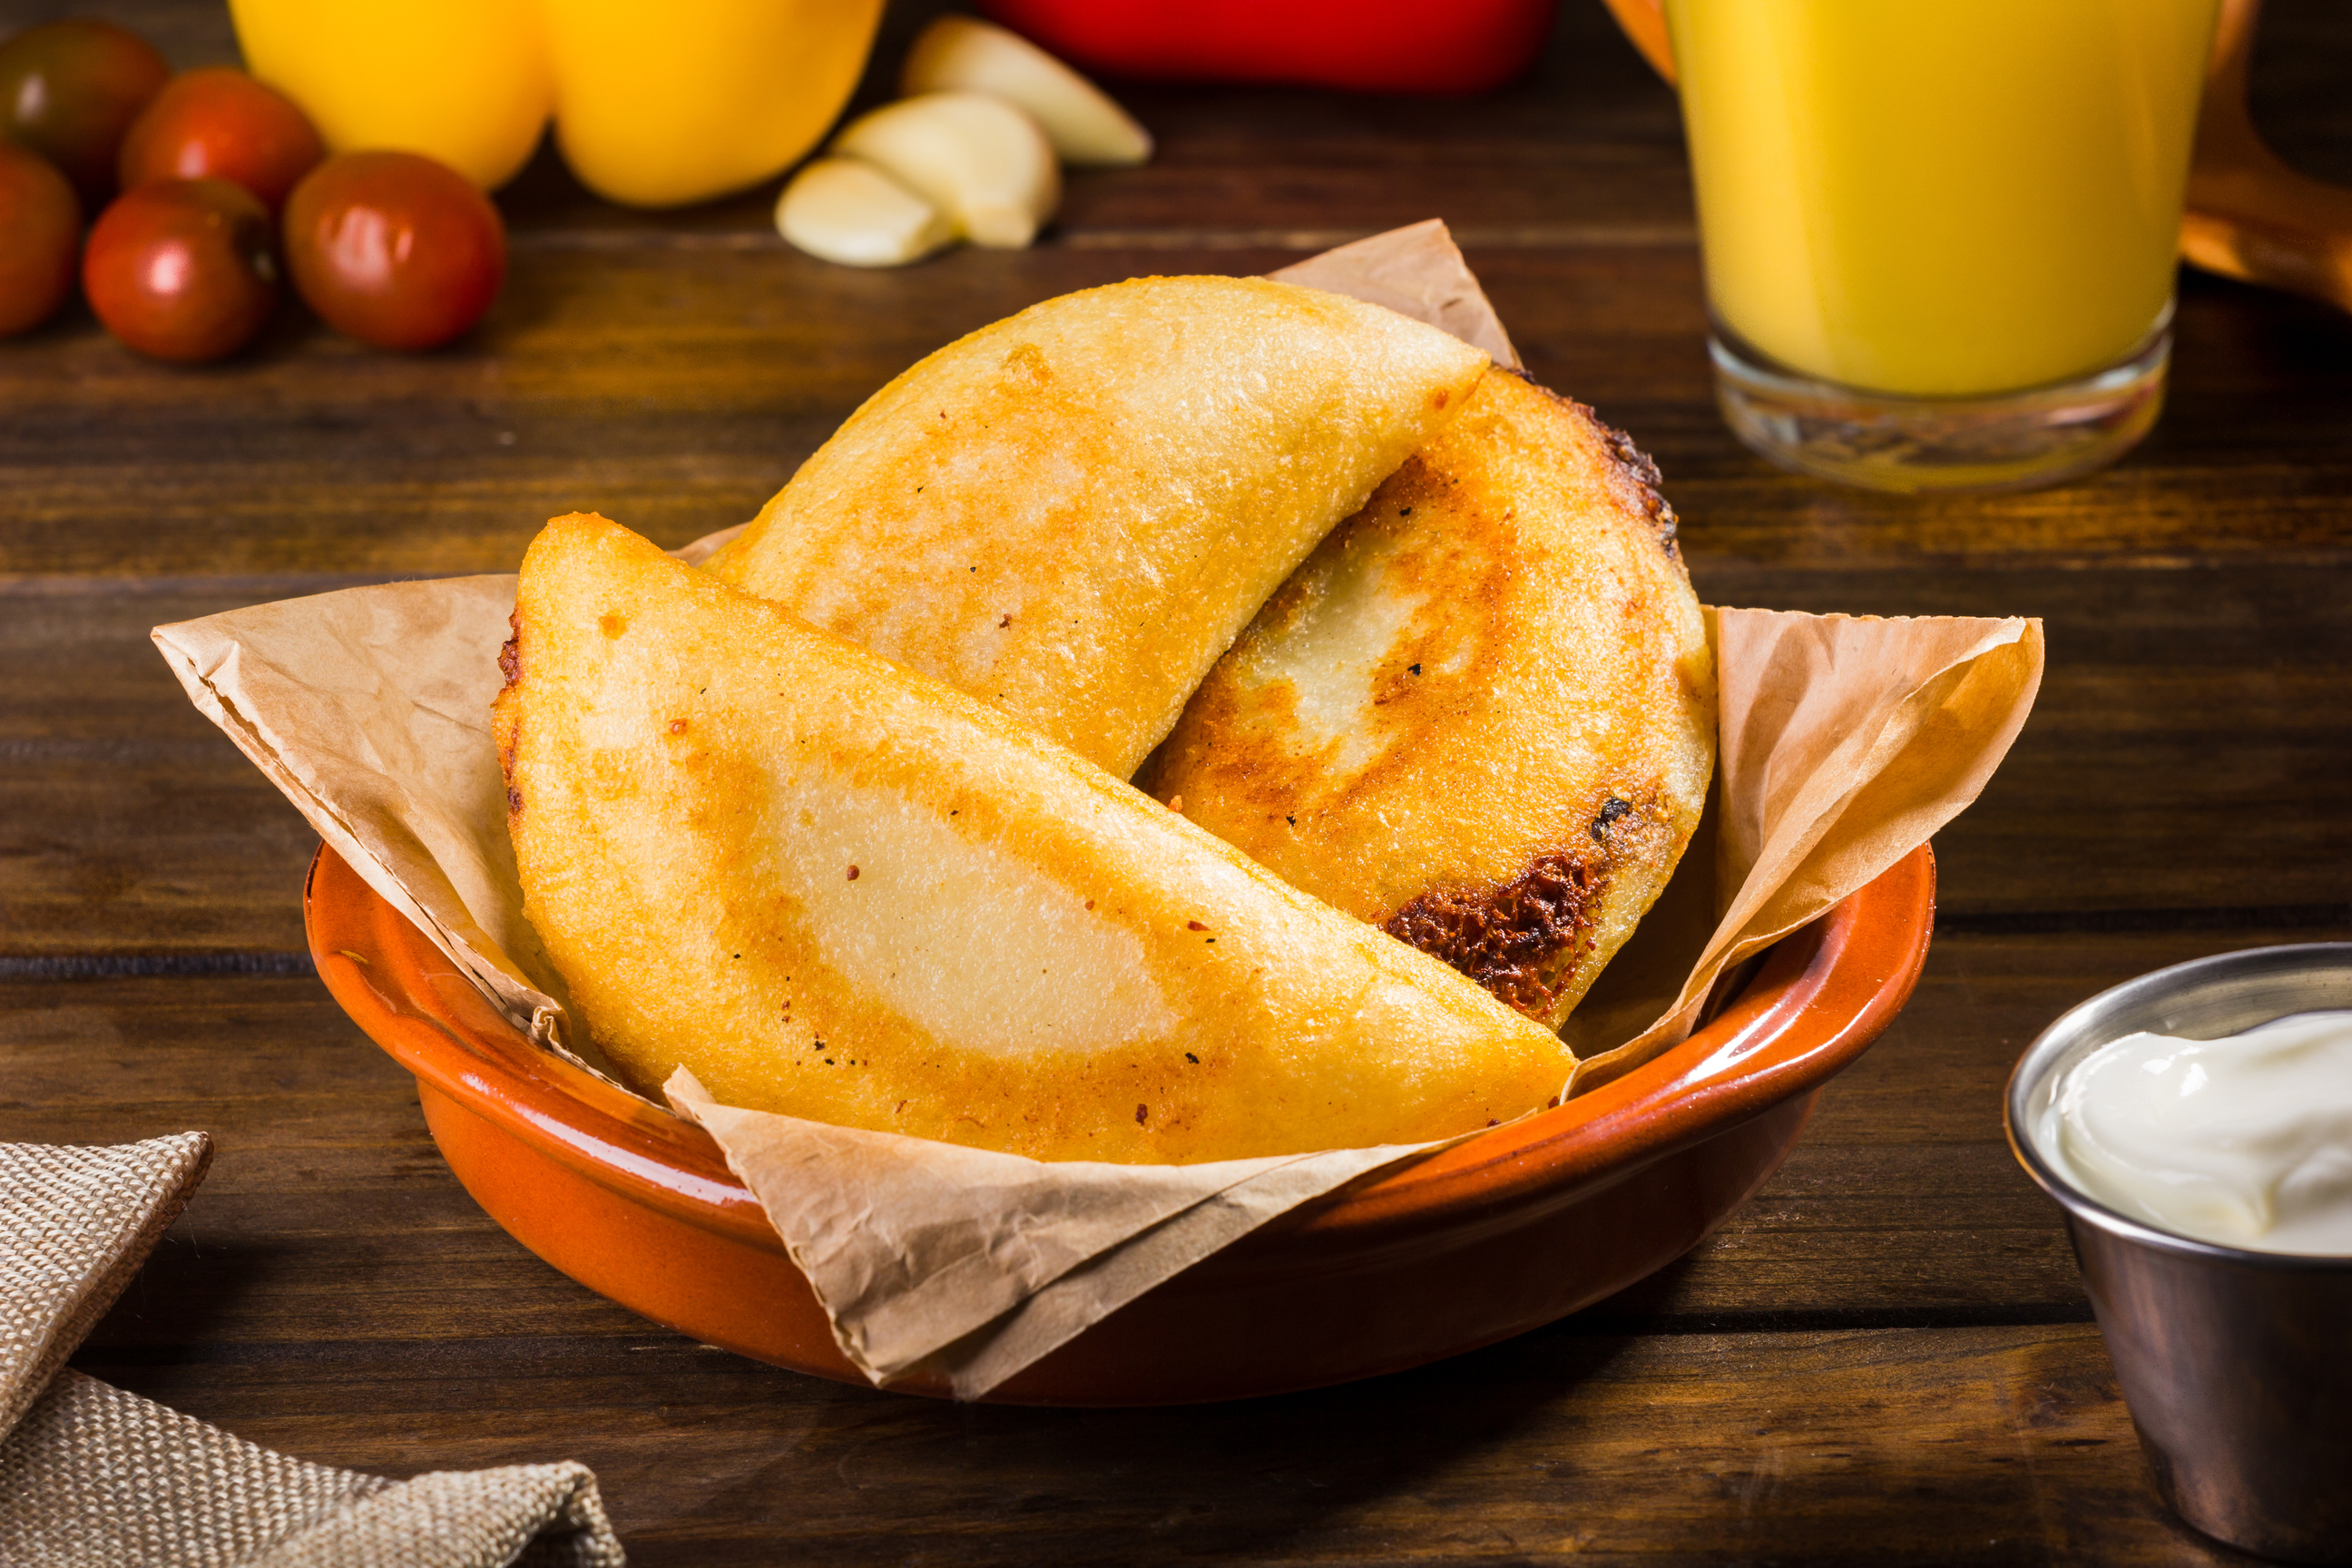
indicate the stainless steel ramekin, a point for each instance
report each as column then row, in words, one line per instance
column 2237, row 1365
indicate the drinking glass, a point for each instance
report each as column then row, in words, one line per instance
column 1939, row 234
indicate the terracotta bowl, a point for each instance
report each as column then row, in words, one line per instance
column 1486, row 1240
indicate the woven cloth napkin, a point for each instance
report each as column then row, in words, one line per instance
column 94, row 1477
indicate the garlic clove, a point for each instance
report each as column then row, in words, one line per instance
column 965, row 54
column 848, row 211
column 977, row 158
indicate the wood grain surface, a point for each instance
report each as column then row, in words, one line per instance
column 1888, row 1355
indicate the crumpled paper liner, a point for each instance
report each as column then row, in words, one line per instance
column 1416, row 272
column 917, row 1268
column 1846, row 741
column 368, row 709
column 1842, row 742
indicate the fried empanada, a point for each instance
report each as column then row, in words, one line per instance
column 1069, row 514
column 839, row 889
column 1482, row 715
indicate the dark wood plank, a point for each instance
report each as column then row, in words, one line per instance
column 188, row 32
column 327, row 1213
column 1883, row 1355
column 329, row 1216
column 128, row 823
column 2191, row 749
column 1903, row 1204
column 675, row 391
column 1956, row 1446
column 671, row 369
column 332, row 1292
column 1587, row 142
column 2187, row 749
column 2297, row 88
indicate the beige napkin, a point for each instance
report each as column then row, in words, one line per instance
column 1847, row 741
column 92, row 1477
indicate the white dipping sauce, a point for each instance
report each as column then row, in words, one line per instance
column 2245, row 1140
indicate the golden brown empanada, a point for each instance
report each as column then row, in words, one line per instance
column 838, row 889
column 1482, row 715
column 1070, row 513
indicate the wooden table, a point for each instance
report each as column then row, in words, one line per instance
column 1886, row 1355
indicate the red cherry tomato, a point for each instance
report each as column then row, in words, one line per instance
column 219, row 123
column 394, row 248
column 70, row 89
column 181, row 269
column 40, row 238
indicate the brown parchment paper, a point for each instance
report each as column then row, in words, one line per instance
column 1846, row 741
column 1416, row 272
column 916, row 1265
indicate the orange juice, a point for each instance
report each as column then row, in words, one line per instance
column 1940, row 198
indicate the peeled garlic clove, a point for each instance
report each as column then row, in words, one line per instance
column 978, row 159
column 964, row 54
column 848, row 211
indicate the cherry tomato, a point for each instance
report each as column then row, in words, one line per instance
column 40, row 239
column 181, row 269
column 70, row 89
column 221, row 124
column 394, row 248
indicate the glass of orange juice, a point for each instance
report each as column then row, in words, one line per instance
column 1939, row 234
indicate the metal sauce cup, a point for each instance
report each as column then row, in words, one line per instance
column 2237, row 1365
